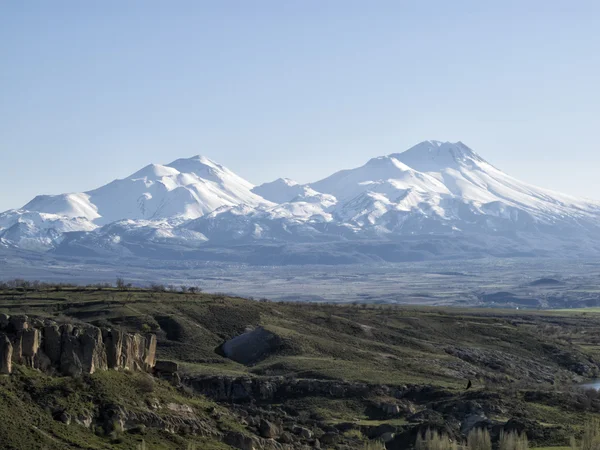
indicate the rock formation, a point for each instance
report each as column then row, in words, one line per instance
column 71, row 350
column 252, row 346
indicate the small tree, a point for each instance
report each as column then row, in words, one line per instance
column 121, row 285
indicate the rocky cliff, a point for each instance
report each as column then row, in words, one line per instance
column 71, row 349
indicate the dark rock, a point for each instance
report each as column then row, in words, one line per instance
column 164, row 366
column 330, row 438
column 18, row 323
column 4, row 320
column 64, row 417
column 304, row 433
column 268, row 429
column 252, row 346
column 114, row 345
column 286, row 438
column 241, row 441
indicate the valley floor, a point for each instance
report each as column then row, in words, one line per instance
column 540, row 283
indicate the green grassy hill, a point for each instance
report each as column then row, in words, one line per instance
column 524, row 367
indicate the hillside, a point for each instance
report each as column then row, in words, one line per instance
column 345, row 374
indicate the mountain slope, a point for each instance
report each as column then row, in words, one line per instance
column 184, row 189
column 446, row 187
column 435, row 200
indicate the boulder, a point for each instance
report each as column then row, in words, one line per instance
column 287, row 438
column 252, row 346
column 304, row 433
column 241, row 441
column 6, row 351
column 268, row 430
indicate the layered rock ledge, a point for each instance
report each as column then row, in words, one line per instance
column 71, row 349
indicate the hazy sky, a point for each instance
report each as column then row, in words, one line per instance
column 93, row 91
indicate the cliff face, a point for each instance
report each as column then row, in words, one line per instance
column 71, row 349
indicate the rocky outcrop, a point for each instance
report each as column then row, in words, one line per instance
column 6, row 351
column 252, row 346
column 246, row 389
column 72, row 350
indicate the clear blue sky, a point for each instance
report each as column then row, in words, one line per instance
column 92, row 91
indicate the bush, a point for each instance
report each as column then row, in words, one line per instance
column 433, row 440
column 479, row 439
column 156, row 287
column 591, row 437
column 147, row 384
column 513, row 441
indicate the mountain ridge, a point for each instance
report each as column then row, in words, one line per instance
column 432, row 189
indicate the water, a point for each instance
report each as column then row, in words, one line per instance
column 592, row 385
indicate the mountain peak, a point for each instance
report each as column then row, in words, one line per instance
column 280, row 190
column 433, row 156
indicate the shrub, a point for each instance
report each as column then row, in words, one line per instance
column 513, row 441
column 479, row 439
column 433, row 440
column 147, row 384
column 591, row 437
column 374, row 446
column 156, row 287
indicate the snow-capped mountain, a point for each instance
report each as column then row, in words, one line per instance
column 182, row 190
column 437, row 199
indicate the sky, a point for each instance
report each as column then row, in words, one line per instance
column 93, row 91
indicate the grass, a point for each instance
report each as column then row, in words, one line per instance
column 508, row 352
column 30, row 402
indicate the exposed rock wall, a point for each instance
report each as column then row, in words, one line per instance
column 71, row 349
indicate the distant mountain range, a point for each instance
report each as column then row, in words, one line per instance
column 435, row 200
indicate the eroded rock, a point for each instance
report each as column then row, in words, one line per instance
column 73, row 350
column 6, row 351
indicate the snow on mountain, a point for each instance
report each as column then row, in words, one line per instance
column 436, row 198
column 284, row 190
column 443, row 186
column 469, row 177
column 38, row 231
column 69, row 205
column 279, row 191
column 184, row 189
